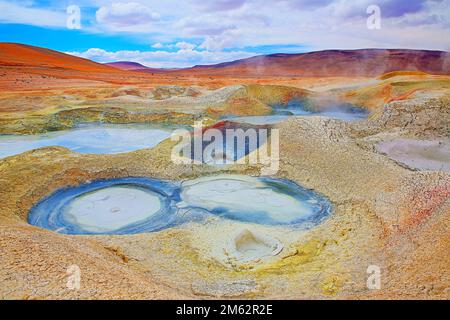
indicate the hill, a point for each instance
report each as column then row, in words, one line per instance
column 21, row 55
column 126, row 65
column 364, row 62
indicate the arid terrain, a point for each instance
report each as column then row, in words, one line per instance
column 386, row 175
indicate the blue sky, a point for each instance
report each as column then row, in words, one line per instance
column 168, row 33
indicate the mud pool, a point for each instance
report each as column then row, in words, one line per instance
column 92, row 138
column 418, row 154
column 137, row 205
column 226, row 142
column 345, row 112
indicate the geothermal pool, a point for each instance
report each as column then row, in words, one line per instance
column 346, row 112
column 258, row 200
column 137, row 205
column 92, row 138
column 418, row 154
column 235, row 141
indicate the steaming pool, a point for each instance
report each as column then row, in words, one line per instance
column 137, row 205
column 345, row 112
column 92, row 138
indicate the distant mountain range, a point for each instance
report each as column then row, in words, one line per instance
column 364, row 62
column 135, row 66
column 126, row 65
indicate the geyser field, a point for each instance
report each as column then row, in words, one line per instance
column 88, row 179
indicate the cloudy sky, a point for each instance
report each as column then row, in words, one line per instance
column 166, row 33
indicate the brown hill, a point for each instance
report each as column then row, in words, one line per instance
column 126, row 65
column 25, row 67
column 364, row 62
column 135, row 66
column 21, row 55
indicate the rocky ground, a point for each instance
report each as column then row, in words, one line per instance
column 60, row 110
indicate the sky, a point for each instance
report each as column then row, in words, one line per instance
column 172, row 34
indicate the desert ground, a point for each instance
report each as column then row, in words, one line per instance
column 386, row 176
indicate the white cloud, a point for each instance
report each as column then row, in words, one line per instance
column 206, row 25
column 223, row 5
column 158, row 45
column 313, row 25
column 125, row 14
column 185, row 45
column 181, row 45
column 15, row 13
column 220, row 42
column 163, row 59
column 219, row 25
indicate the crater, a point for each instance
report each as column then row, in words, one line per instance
column 116, row 206
column 227, row 141
column 251, row 245
column 259, row 200
column 112, row 208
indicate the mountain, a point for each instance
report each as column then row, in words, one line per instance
column 135, row 66
column 126, row 65
column 363, row 62
column 351, row 63
column 21, row 55
column 25, row 67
